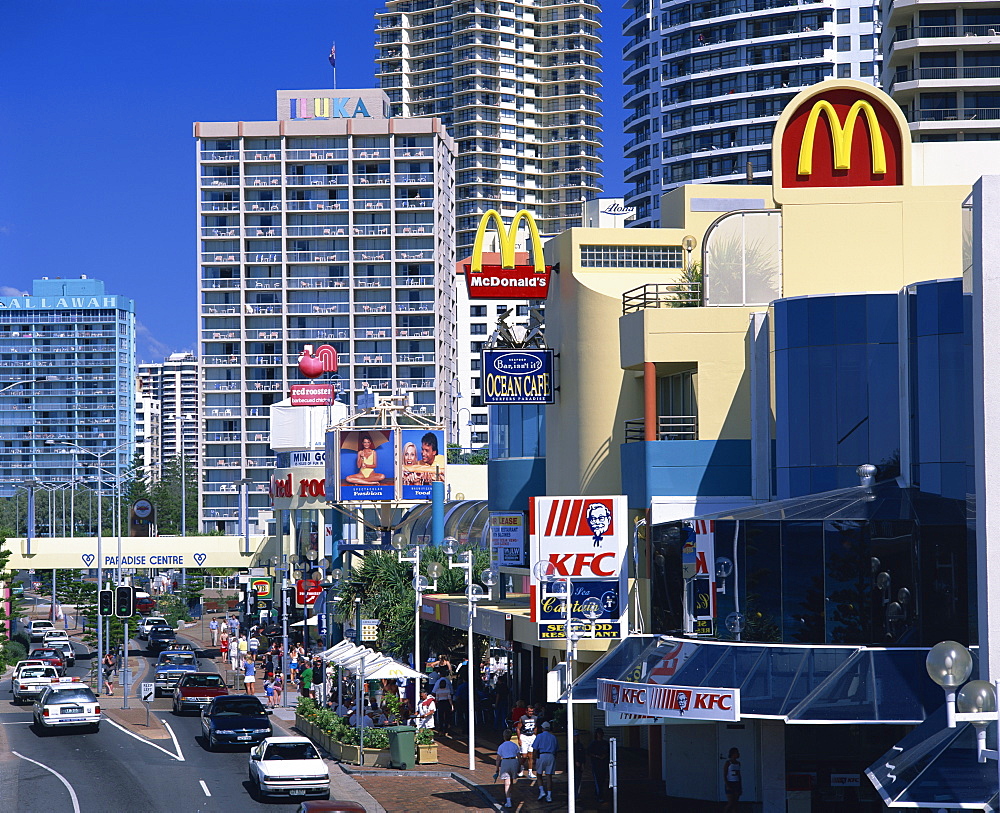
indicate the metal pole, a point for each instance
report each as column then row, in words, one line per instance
column 613, row 773
column 180, row 429
column 570, row 756
column 284, row 635
column 417, row 601
column 125, row 665
column 470, row 689
column 30, row 526
column 100, row 570
column 54, row 596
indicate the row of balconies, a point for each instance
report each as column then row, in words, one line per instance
column 306, row 308
column 319, row 180
column 325, row 333
column 357, row 204
column 335, row 154
column 291, row 361
column 274, row 257
column 414, row 280
column 317, row 231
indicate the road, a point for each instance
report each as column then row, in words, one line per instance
column 113, row 770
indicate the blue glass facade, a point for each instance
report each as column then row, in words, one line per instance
column 940, row 363
column 836, row 383
column 517, row 455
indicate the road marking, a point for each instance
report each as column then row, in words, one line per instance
column 178, row 756
column 170, row 731
column 204, row 787
column 57, row 775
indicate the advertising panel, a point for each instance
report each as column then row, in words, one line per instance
column 584, row 539
column 703, row 583
column 422, row 462
column 366, row 464
column 517, row 377
column 313, row 394
column 671, row 701
column 507, row 538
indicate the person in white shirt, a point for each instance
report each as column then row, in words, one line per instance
column 425, row 710
column 527, row 728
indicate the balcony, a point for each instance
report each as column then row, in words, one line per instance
column 943, row 31
column 669, row 427
column 661, row 295
column 951, row 114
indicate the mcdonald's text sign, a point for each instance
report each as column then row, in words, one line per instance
column 507, row 280
column 842, row 137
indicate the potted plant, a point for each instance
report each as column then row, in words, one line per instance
column 427, row 750
column 305, row 713
column 350, row 751
column 376, row 748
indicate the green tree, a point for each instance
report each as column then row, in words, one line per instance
column 8, row 654
column 166, row 497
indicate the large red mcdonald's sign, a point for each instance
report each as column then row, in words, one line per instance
column 840, row 134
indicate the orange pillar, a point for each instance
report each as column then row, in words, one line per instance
column 649, row 401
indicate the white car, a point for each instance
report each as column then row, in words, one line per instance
column 288, row 766
column 31, row 680
column 146, row 624
column 38, row 627
column 57, row 639
column 67, row 703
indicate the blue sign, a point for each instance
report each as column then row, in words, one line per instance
column 518, row 377
column 553, row 605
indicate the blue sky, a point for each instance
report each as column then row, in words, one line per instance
column 97, row 102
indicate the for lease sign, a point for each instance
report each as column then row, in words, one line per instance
column 678, row 702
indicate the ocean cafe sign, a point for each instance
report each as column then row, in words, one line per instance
column 517, row 377
column 508, row 280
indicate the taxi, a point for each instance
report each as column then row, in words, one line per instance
column 67, row 702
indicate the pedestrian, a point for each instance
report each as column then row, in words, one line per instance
column 253, row 646
column 732, row 774
column 293, row 662
column 425, row 710
column 545, row 747
column 527, row 728
column 224, row 644
column 508, row 763
column 269, row 690
column 108, row 663
column 278, row 684
column 306, row 680
column 442, row 694
column 599, row 752
column 249, row 676
column 213, row 625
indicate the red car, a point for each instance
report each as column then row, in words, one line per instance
column 195, row 690
column 53, row 657
column 145, row 605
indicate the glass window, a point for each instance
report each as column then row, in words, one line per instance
column 867, row 69
column 631, row 257
column 843, row 16
column 477, row 310
column 844, row 71
column 843, row 43
column 867, row 14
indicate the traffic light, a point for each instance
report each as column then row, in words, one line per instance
column 124, row 602
column 288, row 595
column 106, row 602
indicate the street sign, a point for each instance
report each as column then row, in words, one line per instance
column 369, row 629
column 147, row 691
column 306, row 591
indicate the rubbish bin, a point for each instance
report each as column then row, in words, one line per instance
column 402, row 747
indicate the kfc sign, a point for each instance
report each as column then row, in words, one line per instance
column 584, row 539
column 679, row 702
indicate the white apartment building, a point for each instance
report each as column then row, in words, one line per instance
column 707, row 80
column 942, row 65
column 517, row 84
column 332, row 225
column 171, row 388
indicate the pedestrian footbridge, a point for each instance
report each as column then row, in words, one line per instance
column 80, row 552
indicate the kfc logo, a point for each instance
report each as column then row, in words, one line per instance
column 599, row 520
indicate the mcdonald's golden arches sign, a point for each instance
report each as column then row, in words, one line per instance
column 840, row 134
column 508, row 279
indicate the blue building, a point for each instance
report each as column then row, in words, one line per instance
column 67, row 376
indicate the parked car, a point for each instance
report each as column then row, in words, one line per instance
column 53, row 657
column 160, row 638
column 288, row 766
column 236, row 719
column 67, row 703
column 146, row 624
column 196, row 689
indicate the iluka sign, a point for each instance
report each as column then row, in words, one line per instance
column 507, row 280
column 326, row 105
column 839, row 134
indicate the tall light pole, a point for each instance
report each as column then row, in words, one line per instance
column 473, row 594
column 420, row 586
column 98, row 459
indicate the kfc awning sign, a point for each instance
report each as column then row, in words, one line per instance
column 670, row 701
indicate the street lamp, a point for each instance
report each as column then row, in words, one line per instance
column 420, row 585
column 244, row 511
column 468, row 423
column 473, row 594
column 98, row 458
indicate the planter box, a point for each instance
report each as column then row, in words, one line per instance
column 427, row 754
column 377, row 758
column 335, row 749
column 350, row 753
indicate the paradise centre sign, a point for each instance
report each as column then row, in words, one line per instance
column 508, row 280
